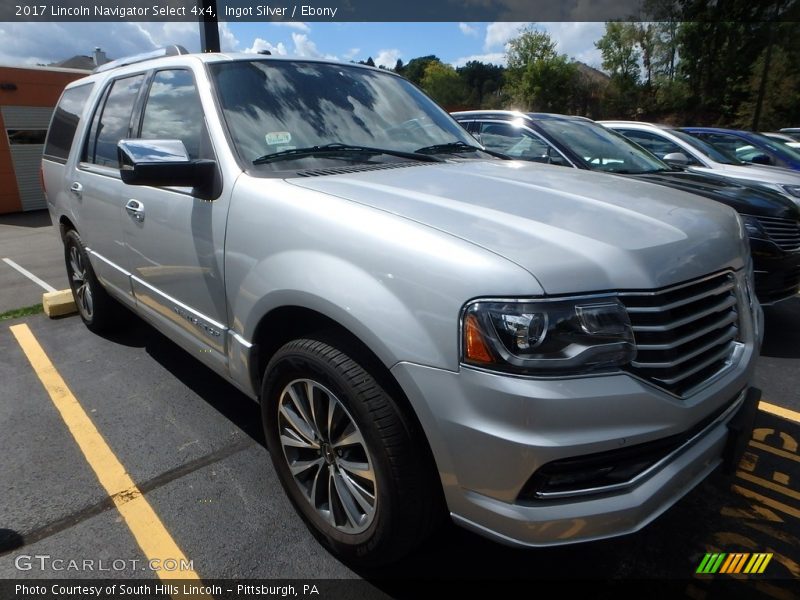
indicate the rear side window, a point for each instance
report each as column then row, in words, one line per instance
column 655, row 143
column 65, row 121
column 174, row 112
column 112, row 121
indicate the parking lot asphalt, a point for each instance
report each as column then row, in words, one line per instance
column 29, row 241
column 193, row 446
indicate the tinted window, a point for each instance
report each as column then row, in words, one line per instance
column 173, row 111
column 712, row 152
column 26, row 136
column 65, row 121
column 655, row 143
column 518, row 142
column 601, row 149
column 111, row 123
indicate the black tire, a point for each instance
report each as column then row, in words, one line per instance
column 99, row 311
column 407, row 500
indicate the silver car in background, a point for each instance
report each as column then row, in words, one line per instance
column 681, row 149
column 548, row 356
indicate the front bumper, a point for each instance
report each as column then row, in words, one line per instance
column 489, row 433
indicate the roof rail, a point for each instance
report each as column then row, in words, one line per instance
column 173, row 50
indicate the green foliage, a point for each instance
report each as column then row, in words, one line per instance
column 21, row 312
column 443, row 84
column 483, row 83
column 781, row 95
column 694, row 63
column 537, row 77
column 415, row 69
column 621, row 54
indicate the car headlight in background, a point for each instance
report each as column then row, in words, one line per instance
column 752, row 227
column 793, row 190
column 547, row 338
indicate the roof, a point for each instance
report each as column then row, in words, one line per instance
column 79, row 62
column 718, row 130
column 509, row 114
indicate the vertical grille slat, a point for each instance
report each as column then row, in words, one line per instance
column 684, row 334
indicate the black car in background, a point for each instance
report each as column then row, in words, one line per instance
column 772, row 221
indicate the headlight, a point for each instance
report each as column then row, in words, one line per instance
column 753, row 227
column 548, row 338
column 793, row 190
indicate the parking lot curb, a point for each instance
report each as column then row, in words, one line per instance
column 58, row 303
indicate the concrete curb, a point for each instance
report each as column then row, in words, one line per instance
column 58, row 303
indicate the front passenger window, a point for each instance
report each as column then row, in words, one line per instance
column 112, row 124
column 174, row 112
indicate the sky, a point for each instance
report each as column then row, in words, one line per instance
column 454, row 43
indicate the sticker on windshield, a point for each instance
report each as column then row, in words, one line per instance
column 278, row 137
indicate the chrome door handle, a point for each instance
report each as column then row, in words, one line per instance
column 76, row 188
column 135, row 209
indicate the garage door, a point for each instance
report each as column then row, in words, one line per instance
column 26, row 127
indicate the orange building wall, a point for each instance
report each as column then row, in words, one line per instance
column 35, row 87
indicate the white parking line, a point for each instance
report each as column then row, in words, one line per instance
column 30, row 275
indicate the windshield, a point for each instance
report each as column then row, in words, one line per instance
column 712, row 152
column 600, row 148
column 273, row 106
column 782, row 150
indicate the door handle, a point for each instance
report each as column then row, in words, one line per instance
column 135, row 209
column 76, row 188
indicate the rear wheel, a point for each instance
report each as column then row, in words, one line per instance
column 346, row 454
column 99, row 311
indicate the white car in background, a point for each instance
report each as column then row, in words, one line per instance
column 783, row 138
column 678, row 148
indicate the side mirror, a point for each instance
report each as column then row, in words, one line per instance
column 678, row 159
column 166, row 163
column 760, row 159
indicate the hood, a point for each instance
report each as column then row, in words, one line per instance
column 574, row 231
column 746, row 198
column 779, row 175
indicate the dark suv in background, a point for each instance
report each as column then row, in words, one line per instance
column 772, row 221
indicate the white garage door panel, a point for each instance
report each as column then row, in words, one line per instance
column 26, row 117
column 26, row 159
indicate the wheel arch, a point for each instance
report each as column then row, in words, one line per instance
column 286, row 323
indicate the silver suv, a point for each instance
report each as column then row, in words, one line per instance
column 549, row 356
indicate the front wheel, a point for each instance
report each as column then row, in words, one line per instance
column 346, row 454
column 99, row 311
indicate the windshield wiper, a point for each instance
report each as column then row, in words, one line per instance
column 338, row 148
column 456, row 147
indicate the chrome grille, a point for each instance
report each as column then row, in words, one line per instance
column 684, row 334
column 784, row 232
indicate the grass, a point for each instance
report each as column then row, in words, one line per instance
column 25, row 311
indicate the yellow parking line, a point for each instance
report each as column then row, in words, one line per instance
column 150, row 533
column 786, row 413
column 775, row 451
column 779, row 506
column 781, row 489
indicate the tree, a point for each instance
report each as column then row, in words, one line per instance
column 619, row 47
column 537, row 77
column 415, row 68
column 444, row 85
column 620, row 53
column 781, row 95
column 483, row 83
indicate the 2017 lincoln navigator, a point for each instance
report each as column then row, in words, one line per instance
column 548, row 356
